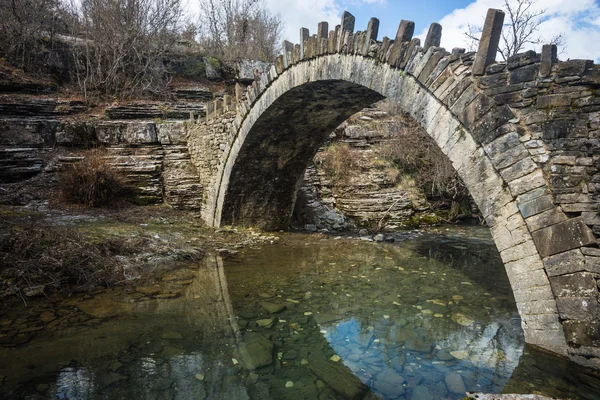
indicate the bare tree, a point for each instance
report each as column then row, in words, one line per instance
column 520, row 30
column 122, row 44
column 238, row 29
column 28, row 29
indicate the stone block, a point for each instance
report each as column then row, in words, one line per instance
column 523, row 74
column 549, row 57
column 578, row 284
column 579, row 308
column 414, row 43
column 485, row 129
column 348, row 21
column 526, row 183
column 537, row 307
column 535, row 206
column 304, row 35
column 505, row 238
column 553, row 100
column 405, row 31
column 565, row 263
column 521, row 60
column 490, row 81
column 525, row 265
column 519, row 252
column 518, row 170
column 370, row 35
column 562, row 128
column 572, row 67
column 549, row 339
column 528, row 279
column 454, row 94
column 431, row 65
column 547, row 218
column 434, row 36
column 506, row 150
column 488, row 44
column 540, row 321
column 563, row 236
column 581, row 333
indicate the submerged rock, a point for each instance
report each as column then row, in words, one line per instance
column 339, row 378
column 272, row 308
column 390, row 384
column 256, row 351
column 462, row 319
column 455, row 384
column 421, row 393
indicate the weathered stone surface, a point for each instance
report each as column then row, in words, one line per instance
column 549, row 56
column 521, row 60
column 535, row 206
column 579, row 284
column 523, row 74
column 563, row 236
column 580, row 333
column 565, row 263
column 370, row 35
column 142, row 110
column 348, row 21
column 490, row 38
column 547, row 218
column 255, row 351
column 405, row 31
column 434, row 36
column 339, row 378
column 527, row 183
column 579, row 308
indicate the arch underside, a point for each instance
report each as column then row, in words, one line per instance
column 263, row 183
column 293, row 116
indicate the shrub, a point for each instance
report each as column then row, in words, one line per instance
column 415, row 153
column 338, row 161
column 92, row 182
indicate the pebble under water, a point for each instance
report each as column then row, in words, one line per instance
column 307, row 317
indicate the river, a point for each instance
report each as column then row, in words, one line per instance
column 429, row 316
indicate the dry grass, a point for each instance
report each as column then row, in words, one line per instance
column 43, row 259
column 416, row 154
column 92, row 182
column 339, row 161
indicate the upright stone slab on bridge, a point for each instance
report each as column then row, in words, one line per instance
column 523, row 136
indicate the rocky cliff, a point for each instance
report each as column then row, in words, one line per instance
column 352, row 177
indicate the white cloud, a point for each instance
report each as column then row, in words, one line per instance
column 577, row 20
column 298, row 14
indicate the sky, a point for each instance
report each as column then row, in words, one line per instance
column 577, row 20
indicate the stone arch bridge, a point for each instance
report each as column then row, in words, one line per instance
column 523, row 135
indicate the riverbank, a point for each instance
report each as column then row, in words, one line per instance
column 49, row 250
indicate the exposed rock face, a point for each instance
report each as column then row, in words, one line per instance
column 246, row 70
column 140, row 110
column 371, row 195
column 152, row 154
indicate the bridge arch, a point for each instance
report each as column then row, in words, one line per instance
column 292, row 118
column 516, row 132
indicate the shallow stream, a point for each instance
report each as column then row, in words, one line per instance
column 430, row 316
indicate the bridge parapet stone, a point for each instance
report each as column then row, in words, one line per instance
column 490, row 39
column 434, row 36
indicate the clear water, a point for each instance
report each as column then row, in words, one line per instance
column 428, row 317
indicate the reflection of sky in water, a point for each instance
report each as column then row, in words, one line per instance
column 487, row 355
column 74, row 383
